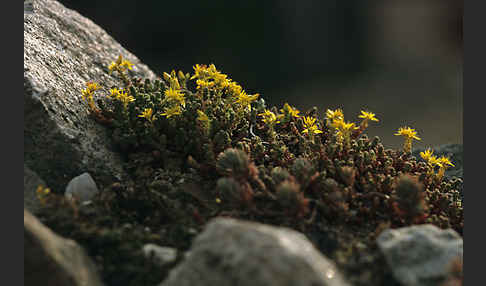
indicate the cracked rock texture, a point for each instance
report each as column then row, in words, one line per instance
column 62, row 51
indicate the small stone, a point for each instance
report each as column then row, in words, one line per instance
column 234, row 252
column 82, row 187
column 420, row 255
column 161, row 255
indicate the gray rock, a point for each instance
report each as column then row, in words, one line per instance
column 52, row 260
column 31, row 182
column 161, row 255
column 62, row 51
column 420, row 255
column 82, row 187
column 233, row 252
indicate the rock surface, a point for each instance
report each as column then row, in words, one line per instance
column 232, row 252
column 82, row 187
column 53, row 260
column 420, row 255
column 31, row 182
column 62, row 51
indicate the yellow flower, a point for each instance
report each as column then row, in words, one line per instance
column 427, row 155
column 409, row 135
column 339, row 124
column 347, row 127
column 93, row 86
column 407, row 132
column 287, row 109
column 333, row 115
column 221, row 79
column 125, row 98
column 234, row 88
column 112, row 67
column 268, row 117
column 127, row 64
column 42, row 193
column 368, row 116
column 148, row 114
column 172, row 79
column 434, row 161
column 120, row 65
column 246, row 100
column 344, row 130
column 199, row 71
column 204, row 84
column 87, row 93
column 175, row 95
column 445, row 161
column 310, row 126
column 174, row 110
column 114, row 92
column 211, row 78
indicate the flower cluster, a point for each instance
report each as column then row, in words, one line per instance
column 409, row 134
column 88, row 92
column 197, row 145
column 269, row 117
column 367, row 116
column 120, row 65
column 443, row 162
column 42, row 193
column 344, row 130
column 211, row 79
column 288, row 112
column 245, row 100
column 310, row 126
column 122, row 96
column 174, row 96
column 148, row 114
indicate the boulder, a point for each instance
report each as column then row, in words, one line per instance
column 62, row 51
column 421, row 255
column 233, row 252
column 52, row 260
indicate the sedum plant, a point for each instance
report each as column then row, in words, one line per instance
column 197, row 145
column 210, row 124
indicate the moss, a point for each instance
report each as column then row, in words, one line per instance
column 216, row 156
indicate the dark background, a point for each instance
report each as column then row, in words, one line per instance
column 401, row 59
